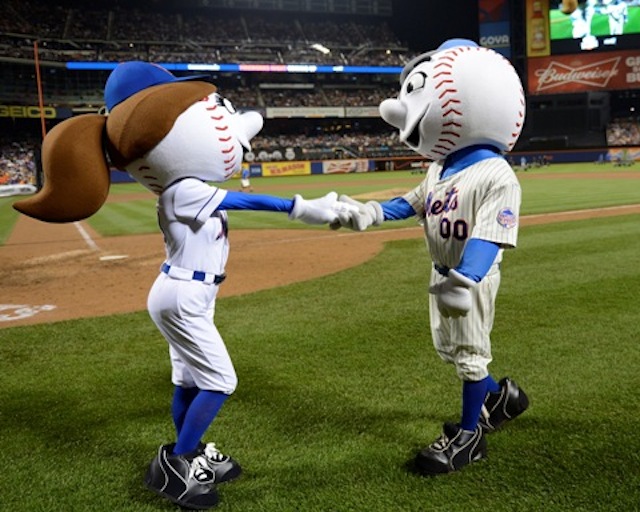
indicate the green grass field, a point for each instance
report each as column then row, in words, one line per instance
column 563, row 192
column 339, row 384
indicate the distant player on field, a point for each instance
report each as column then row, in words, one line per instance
column 460, row 106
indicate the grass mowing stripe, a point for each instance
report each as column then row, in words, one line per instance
column 8, row 217
column 132, row 217
column 339, row 385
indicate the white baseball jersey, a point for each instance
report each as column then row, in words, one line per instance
column 481, row 201
column 617, row 13
column 182, row 299
column 194, row 239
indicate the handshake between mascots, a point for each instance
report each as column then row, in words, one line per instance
column 462, row 107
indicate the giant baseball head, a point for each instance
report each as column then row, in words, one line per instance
column 457, row 96
column 159, row 128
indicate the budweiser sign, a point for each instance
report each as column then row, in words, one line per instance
column 596, row 75
column 584, row 72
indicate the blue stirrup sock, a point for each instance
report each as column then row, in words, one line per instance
column 182, row 398
column 197, row 419
column 473, row 396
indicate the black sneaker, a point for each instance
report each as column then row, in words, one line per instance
column 225, row 468
column 453, row 450
column 503, row 406
column 189, row 483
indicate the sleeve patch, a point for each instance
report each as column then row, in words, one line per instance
column 507, row 219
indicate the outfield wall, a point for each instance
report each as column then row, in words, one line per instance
column 307, row 168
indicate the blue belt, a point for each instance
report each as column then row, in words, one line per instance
column 196, row 275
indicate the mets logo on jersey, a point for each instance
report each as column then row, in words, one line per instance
column 506, row 218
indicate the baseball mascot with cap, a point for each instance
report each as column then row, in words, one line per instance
column 173, row 136
column 460, row 106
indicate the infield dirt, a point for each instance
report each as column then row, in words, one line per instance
column 54, row 272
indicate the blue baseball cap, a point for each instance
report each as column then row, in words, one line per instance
column 131, row 77
column 452, row 43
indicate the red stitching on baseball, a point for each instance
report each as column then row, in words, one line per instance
column 443, row 64
column 217, row 118
column 222, row 128
column 452, row 100
column 451, row 111
column 443, row 82
column 447, row 91
column 228, row 150
column 224, row 139
column 451, row 133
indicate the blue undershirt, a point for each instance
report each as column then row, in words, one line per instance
column 243, row 201
column 478, row 255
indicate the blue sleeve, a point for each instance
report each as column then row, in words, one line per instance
column 397, row 209
column 477, row 258
column 242, row 201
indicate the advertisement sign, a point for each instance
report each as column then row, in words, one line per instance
column 496, row 36
column 33, row 112
column 584, row 72
column 344, row 166
column 494, row 26
column 274, row 112
column 286, row 168
column 371, row 111
column 538, row 43
column 490, row 11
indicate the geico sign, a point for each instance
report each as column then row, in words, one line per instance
column 27, row 112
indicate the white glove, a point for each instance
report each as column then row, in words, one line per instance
column 361, row 216
column 453, row 295
column 322, row 210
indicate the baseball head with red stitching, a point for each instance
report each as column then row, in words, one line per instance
column 206, row 141
column 159, row 128
column 457, row 96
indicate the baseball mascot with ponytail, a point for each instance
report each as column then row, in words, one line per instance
column 462, row 107
column 172, row 135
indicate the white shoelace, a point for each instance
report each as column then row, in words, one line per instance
column 212, row 453
column 200, row 470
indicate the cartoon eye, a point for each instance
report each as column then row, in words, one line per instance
column 229, row 106
column 416, row 82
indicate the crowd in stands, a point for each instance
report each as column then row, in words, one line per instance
column 17, row 158
column 17, row 163
column 355, row 144
column 117, row 33
column 624, row 132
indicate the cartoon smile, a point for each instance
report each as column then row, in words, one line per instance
column 414, row 137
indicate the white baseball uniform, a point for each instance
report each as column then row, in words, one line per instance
column 618, row 12
column 483, row 202
column 182, row 299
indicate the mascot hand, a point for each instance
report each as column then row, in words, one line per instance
column 323, row 210
column 453, row 295
column 360, row 216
